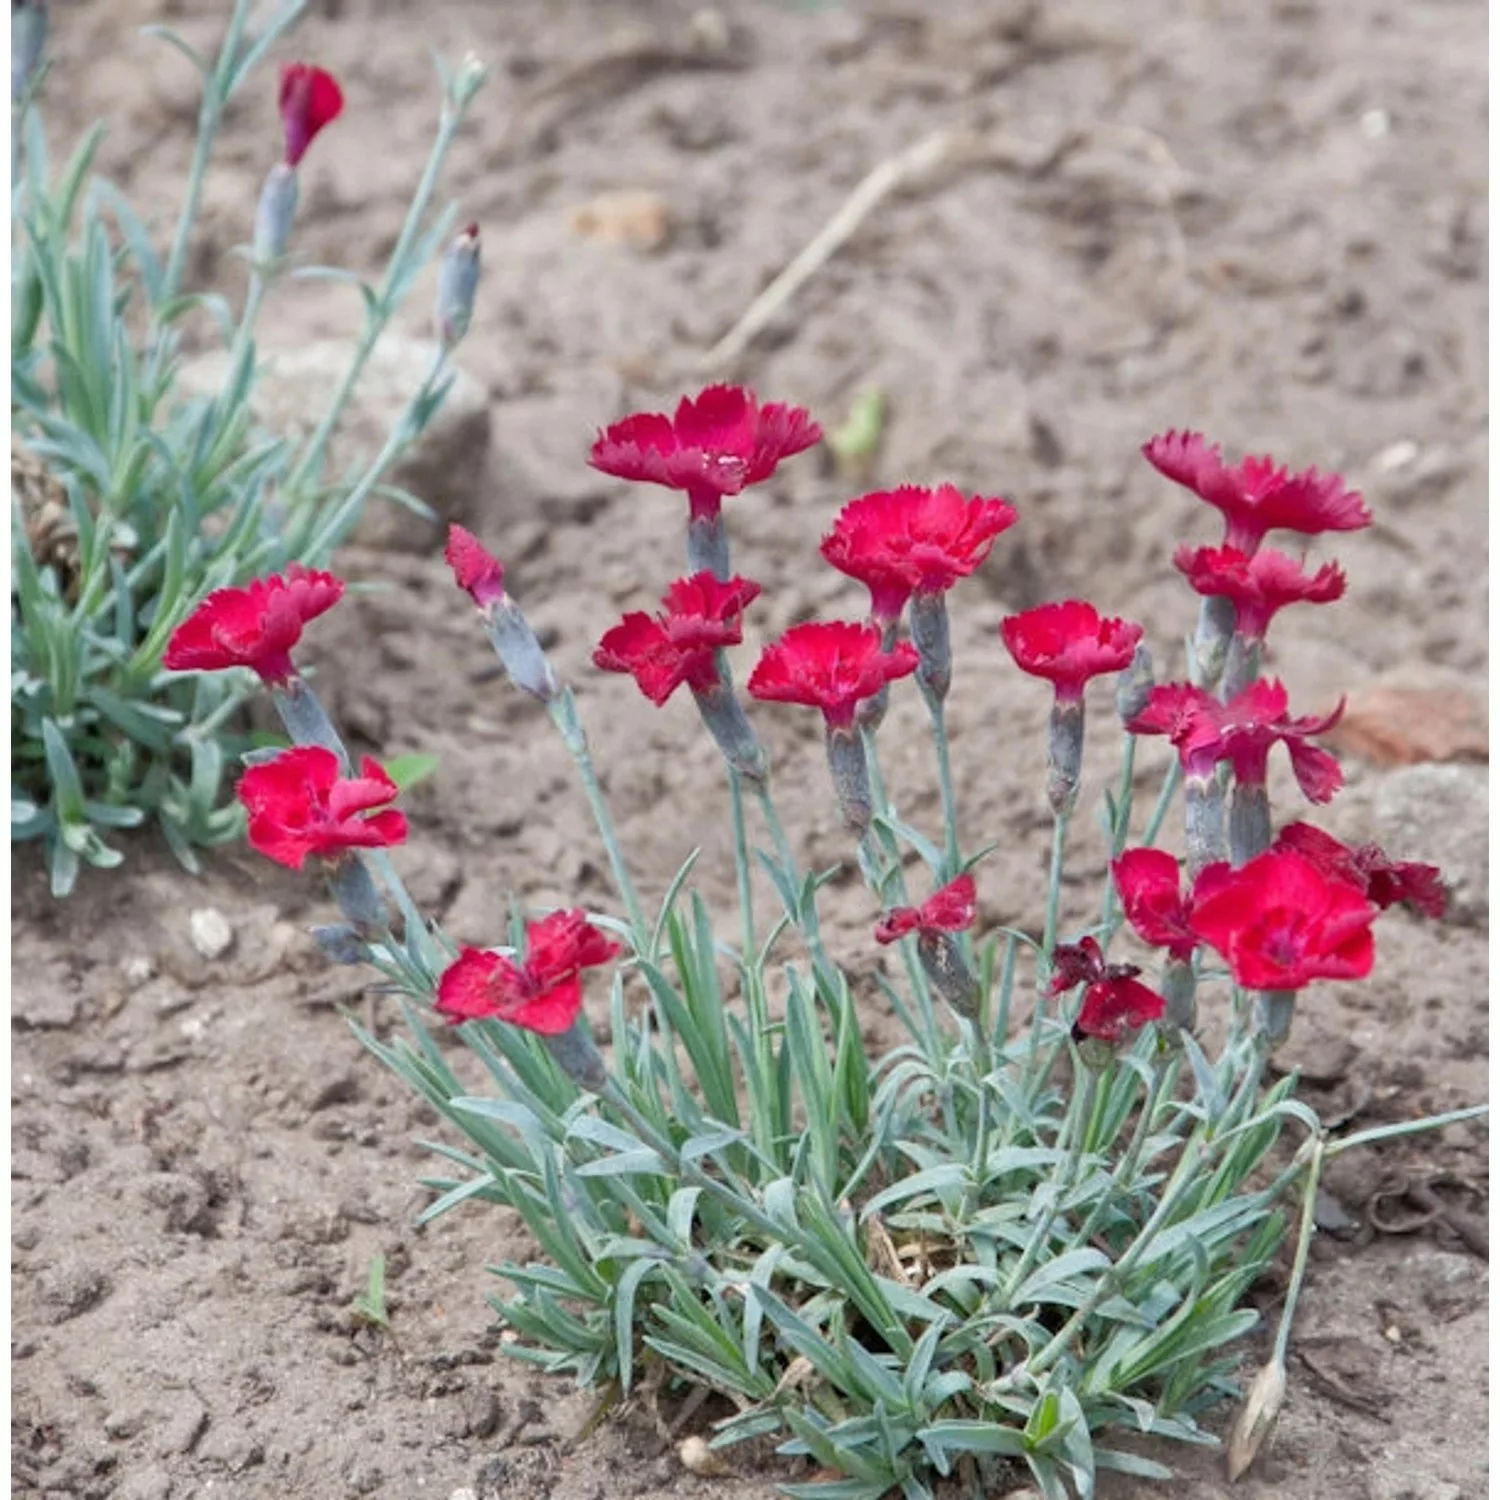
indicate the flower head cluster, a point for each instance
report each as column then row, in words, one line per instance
column 309, row 99
column 1113, row 1002
column 1256, row 495
column 700, row 615
column 714, row 445
column 831, row 666
column 913, row 540
column 543, row 992
column 255, row 626
column 300, row 805
column 1069, row 643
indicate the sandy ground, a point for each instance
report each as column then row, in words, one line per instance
column 1267, row 222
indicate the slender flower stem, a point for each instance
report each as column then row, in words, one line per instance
column 1163, row 803
column 742, row 866
column 330, row 532
column 1123, row 1175
column 244, row 334
column 806, row 921
column 563, row 712
column 1074, row 1129
column 952, row 856
column 209, row 114
column 1119, row 836
column 380, row 314
column 1304, row 1243
column 1054, row 900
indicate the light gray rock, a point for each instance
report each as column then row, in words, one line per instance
column 1440, row 814
column 445, row 467
column 209, row 932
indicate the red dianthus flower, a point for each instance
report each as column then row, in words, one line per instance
column 1280, row 922
column 949, row 909
column 913, row 540
column 1255, row 495
column 544, row 993
column 830, row 665
column 1115, row 1000
column 699, row 616
column 1068, row 643
column 255, row 626
column 1150, row 889
column 309, row 99
column 1368, row 869
column 299, row 805
column 1259, row 584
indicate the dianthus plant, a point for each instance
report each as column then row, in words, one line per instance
column 1023, row 1237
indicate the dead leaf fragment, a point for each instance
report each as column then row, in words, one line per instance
column 1257, row 1417
column 635, row 218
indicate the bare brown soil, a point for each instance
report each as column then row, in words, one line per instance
column 1266, row 221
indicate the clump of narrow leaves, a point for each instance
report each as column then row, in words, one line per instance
column 131, row 500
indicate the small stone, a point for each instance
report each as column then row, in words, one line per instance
column 1398, row 455
column 210, row 932
column 698, row 1458
column 183, row 1425
column 136, row 969
column 72, row 1288
column 1392, row 1334
column 1397, row 723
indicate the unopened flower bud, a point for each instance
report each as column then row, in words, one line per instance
column 929, row 634
column 575, row 1053
column 851, row 777
column 466, row 81
column 1064, row 753
column 1133, row 685
column 458, row 276
column 1257, row 1416
column 274, row 214
column 28, row 40
column 519, row 650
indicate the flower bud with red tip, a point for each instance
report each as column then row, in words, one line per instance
column 947, row 911
column 481, row 576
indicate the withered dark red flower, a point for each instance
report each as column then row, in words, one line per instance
column 1280, row 922
column 700, row 615
column 830, row 665
column 1368, row 868
column 1068, row 643
column 1149, row 885
column 255, row 626
column 1259, row 584
column 949, row 909
column 544, row 993
column 1256, row 495
column 309, row 99
column 300, row 805
column 1114, row 1002
column 475, row 569
column 715, row 444
column 913, row 540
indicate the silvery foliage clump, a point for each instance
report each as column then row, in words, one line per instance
column 131, row 499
